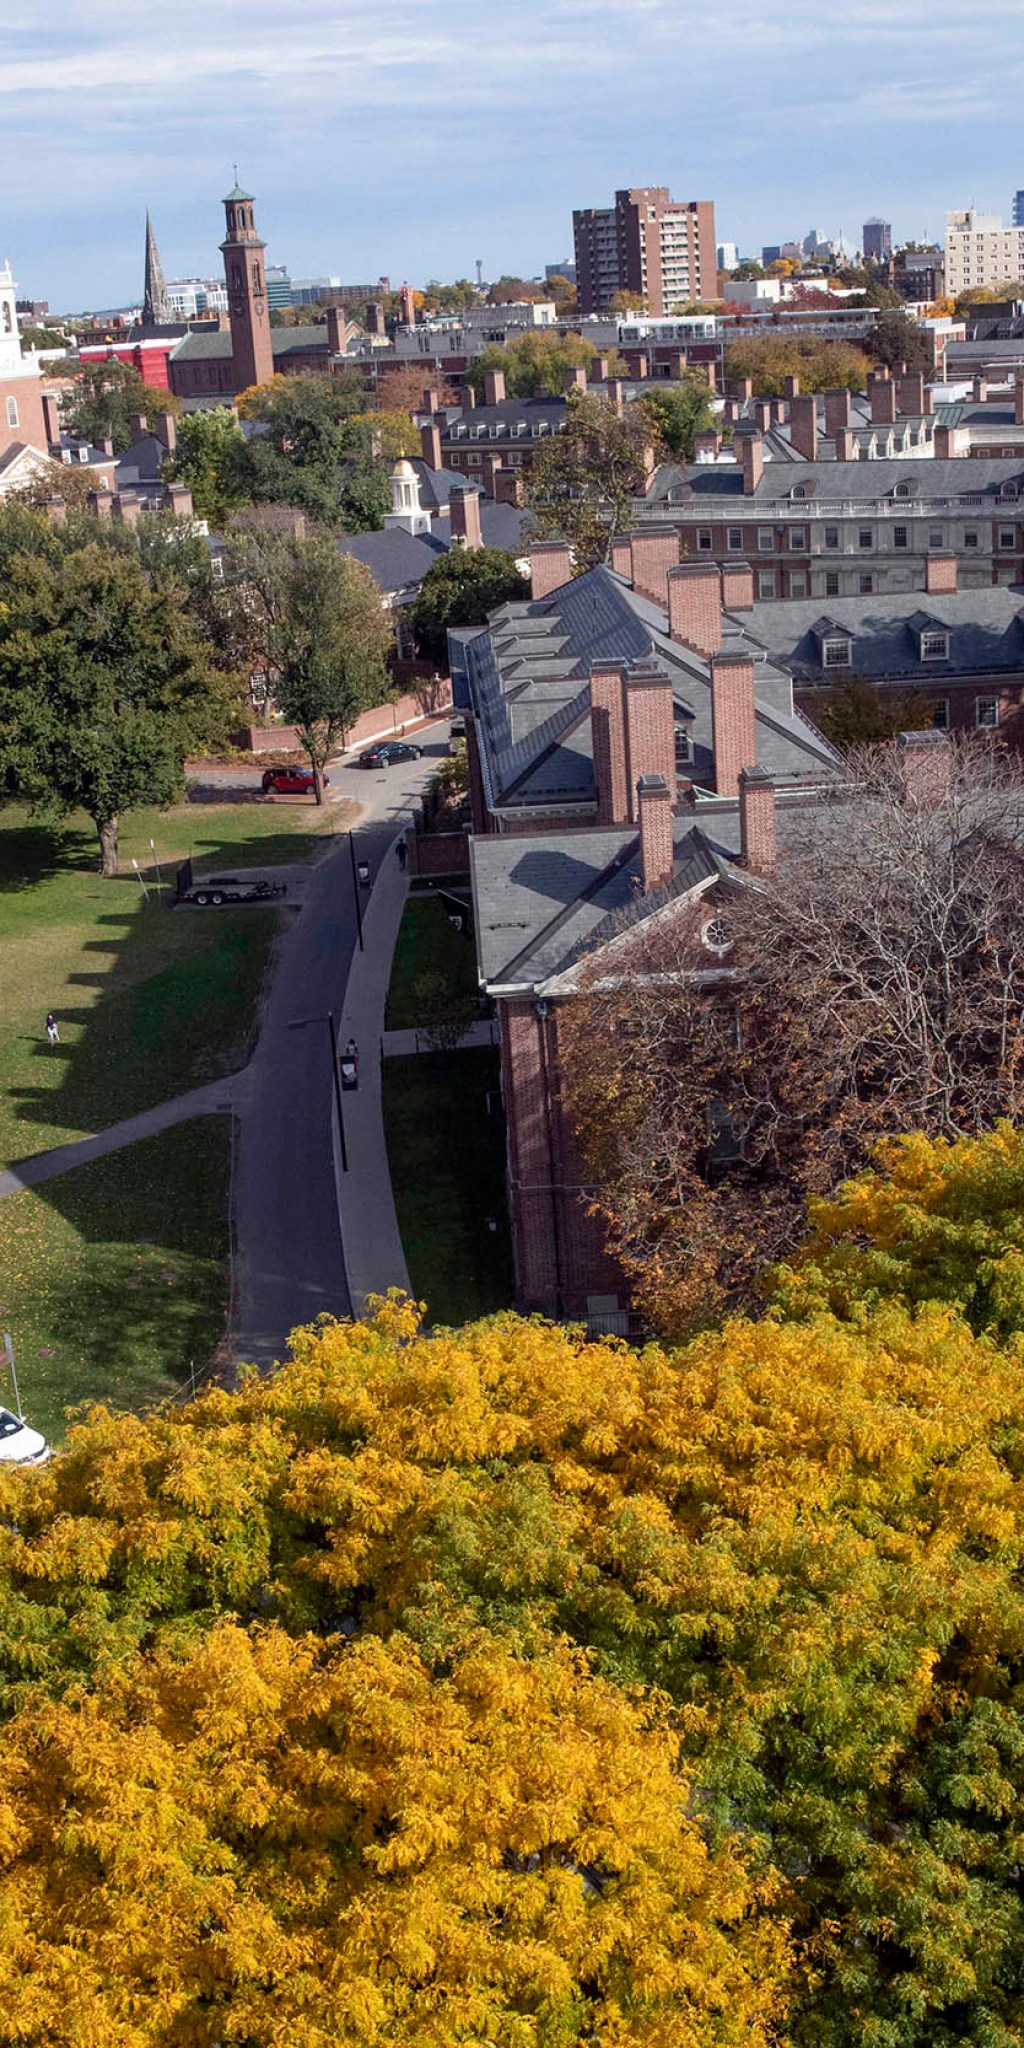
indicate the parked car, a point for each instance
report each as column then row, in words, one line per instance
column 20, row 1445
column 290, row 782
column 388, row 752
column 217, row 889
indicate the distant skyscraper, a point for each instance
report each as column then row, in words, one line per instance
column 877, row 241
column 1018, row 209
column 155, row 309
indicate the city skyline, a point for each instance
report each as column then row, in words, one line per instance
column 415, row 146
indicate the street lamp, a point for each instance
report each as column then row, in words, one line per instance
column 297, row 1025
column 355, row 889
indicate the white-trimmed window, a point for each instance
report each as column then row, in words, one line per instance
column 935, row 539
column 798, row 540
column 831, row 583
column 715, row 935
column 934, row 645
column 765, row 539
column 901, row 536
column 970, row 536
column 797, row 583
column 831, row 537
column 766, row 583
column 735, row 540
column 704, row 541
column 986, row 713
column 940, row 714
column 1007, row 537
column 12, row 412
column 836, row 650
column 865, row 537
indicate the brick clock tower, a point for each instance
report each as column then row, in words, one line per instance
column 251, row 350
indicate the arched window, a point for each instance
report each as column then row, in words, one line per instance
column 12, row 412
column 256, row 285
column 8, row 322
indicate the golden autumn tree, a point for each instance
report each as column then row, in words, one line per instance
column 270, row 1841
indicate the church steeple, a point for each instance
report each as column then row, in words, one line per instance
column 155, row 308
column 251, row 348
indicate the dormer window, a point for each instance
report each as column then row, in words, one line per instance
column 1008, row 491
column 836, row 650
column 934, row 644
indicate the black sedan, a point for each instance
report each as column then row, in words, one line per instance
column 388, row 752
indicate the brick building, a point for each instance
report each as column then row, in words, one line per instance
column 664, row 249
column 632, row 745
column 22, row 424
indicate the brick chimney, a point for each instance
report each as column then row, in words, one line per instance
column 758, row 840
column 508, row 487
column 165, row 430
column 882, row 398
column 576, row 378
column 494, row 387
column 655, row 550
column 464, row 514
column 650, row 727
column 106, row 446
column 430, row 444
column 336, row 325
column 742, row 389
column 803, row 424
column 926, row 767
column 737, row 587
column 375, row 321
column 910, row 394
column 942, row 442
column 844, row 444
column 706, row 444
column 431, row 401
column 777, row 410
column 467, row 399
column 100, row 503
column 126, row 510
column 838, row 412
column 599, row 368
column 1018, row 402
column 179, row 501
column 56, row 511
column 733, row 719
column 676, row 363
column 710, row 373
column 791, row 387
column 751, row 449
column 550, row 566
column 654, row 804
column 615, row 391
column 138, row 426
column 940, row 574
column 695, row 606
column 979, row 390
column 608, row 732
column 622, row 557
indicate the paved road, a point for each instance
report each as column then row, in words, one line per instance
column 289, row 1263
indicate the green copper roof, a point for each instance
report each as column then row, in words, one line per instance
column 234, row 197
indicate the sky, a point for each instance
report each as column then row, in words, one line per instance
column 410, row 137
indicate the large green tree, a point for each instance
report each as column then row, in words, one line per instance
column 895, row 338
column 768, row 359
column 300, row 455
column 682, row 409
column 581, row 483
column 535, row 364
column 313, row 621
column 106, row 684
column 103, row 398
column 209, row 458
column 460, row 589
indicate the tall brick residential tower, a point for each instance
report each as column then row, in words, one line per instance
column 251, row 349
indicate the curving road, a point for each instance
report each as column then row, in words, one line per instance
column 289, row 1264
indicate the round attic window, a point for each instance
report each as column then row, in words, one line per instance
column 715, row 935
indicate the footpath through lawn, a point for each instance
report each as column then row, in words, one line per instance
column 113, row 1277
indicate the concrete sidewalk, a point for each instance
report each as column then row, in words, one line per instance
column 215, row 1099
column 374, row 1258
column 397, row 1044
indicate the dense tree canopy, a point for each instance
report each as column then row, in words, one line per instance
column 681, row 409
column 460, row 589
column 314, row 451
column 536, row 364
column 769, row 359
column 895, row 338
column 581, row 483
column 103, row 398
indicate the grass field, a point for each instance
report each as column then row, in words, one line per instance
column 446, row 1148
column 113, row 1278
column 427, row 944
column 150, row 1001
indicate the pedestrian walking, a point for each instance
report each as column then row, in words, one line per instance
column 403, row 854
column 52, row 1032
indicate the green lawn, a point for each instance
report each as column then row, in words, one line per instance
column 113, row 1278
column 150, row 1000
column 446, row 1149
column 428, row 944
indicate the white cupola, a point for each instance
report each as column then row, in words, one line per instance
column 12, row 363
column 406, row 510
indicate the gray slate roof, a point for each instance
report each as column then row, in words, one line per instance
column 935, row 478
column 395, row 559
column 986, row 629
column 214, row 345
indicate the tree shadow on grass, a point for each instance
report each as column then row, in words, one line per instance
column 35, row 853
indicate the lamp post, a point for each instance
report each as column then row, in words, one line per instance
column 297, row 1025
column 355, row 889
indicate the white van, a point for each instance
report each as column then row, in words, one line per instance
column 20, row 1445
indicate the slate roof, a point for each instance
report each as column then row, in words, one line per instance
column 395, row 559
column 140, row 464
column 214, row 344
column 507, row 414
column 986, row 629
column 936, row 477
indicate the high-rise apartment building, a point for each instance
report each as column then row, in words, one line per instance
column 661, row 248
column 981, row 251
column 877, row 240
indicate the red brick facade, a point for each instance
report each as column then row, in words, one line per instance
column 733, row 724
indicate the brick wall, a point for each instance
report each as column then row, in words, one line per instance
column 438, row 853
column 386, row 721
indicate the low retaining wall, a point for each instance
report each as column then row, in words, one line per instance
column 438, row 853
column 385, row 722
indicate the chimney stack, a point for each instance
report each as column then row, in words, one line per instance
column 179, row 501
column 576, row 378
column 882, row 398
column 138, row 426
column 654, row 805
column 464, row 513
column 910, row 394
column 615, row 389
column 751, row 449
column 430, row 445
column 494, row 387
column 706, row 444
column 979, row 390
column 733, row 719
column 608, row 738
column 51, row 418
column 655, row 550
column 431, row 401
column 126, row 510
column 758, row 838
column 336, row 324
column 650, row 726
column 622, row 557
column 1018, row 402
column 791, row 388
column 942, row 443
column 844, row 444
column 166, row 431
column 926, row 767
column 737, row 587
column 695, row 606
column 803, row 424
column 838, row 412
column 550, row 566
column 100, row 503
column 940, row 574
column 599, row 369
column 466, row 397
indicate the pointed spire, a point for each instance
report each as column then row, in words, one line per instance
column 155, row 308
